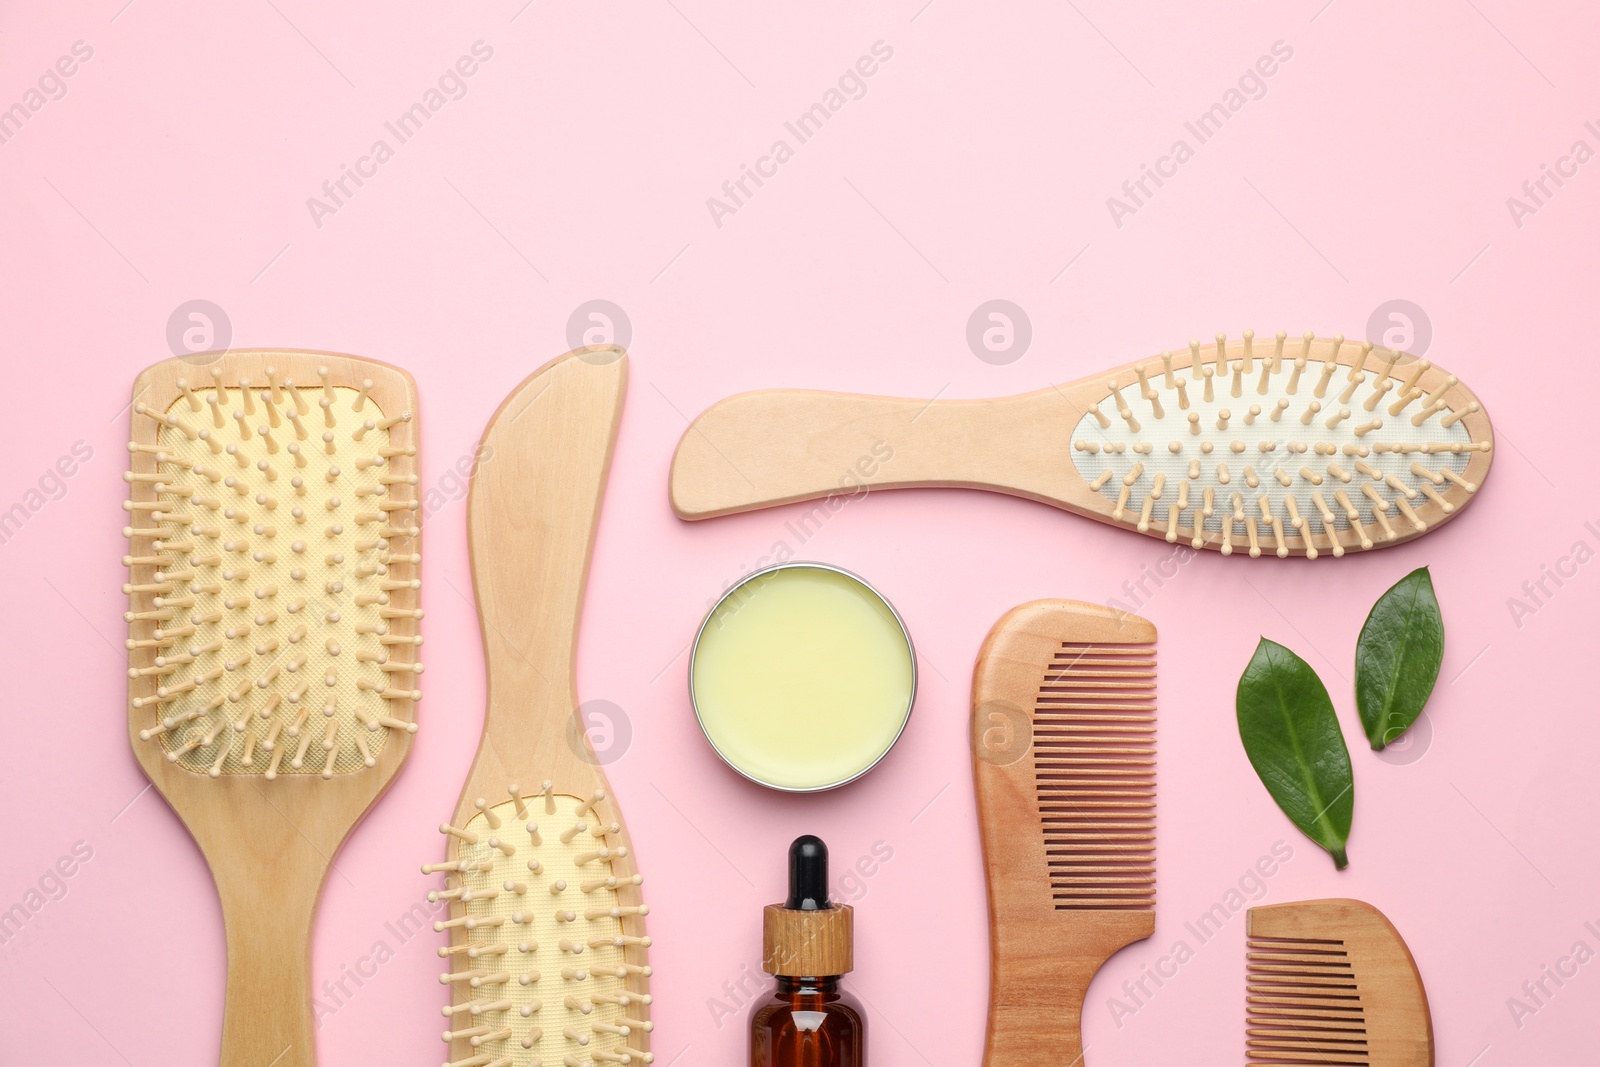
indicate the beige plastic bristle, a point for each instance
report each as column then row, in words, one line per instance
column 1441, row 420
column 546, row 954
column 267, row 583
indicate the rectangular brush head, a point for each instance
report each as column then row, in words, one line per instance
column 273, row 564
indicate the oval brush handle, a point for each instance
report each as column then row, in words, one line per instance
column 532, row 513
column 777, row 446
column 268, row 915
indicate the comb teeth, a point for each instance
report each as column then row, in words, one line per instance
column 1094, row 767
column 546, row 962
column 1303, row 1005
column 264, row 555
column 1310, row 447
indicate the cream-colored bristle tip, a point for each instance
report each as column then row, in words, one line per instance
column 1299, row 410
column 238, row 618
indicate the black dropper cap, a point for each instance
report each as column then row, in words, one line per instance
column 808, row 874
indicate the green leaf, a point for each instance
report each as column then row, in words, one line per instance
column 1292, row 737
column 1398, row 656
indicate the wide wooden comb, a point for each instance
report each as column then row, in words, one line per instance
column 1331, row 982
column 1304, row 447
column 1063, row 747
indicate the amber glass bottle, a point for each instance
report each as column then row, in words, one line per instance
column 807, row 1020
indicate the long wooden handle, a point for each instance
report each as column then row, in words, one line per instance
column 776, row 446
column 531, row 518
column 267, row 1013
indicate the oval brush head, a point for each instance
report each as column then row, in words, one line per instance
column 1294, row 447
column 547, row 942
column 273, row 594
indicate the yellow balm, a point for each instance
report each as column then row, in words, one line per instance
column 802, row 677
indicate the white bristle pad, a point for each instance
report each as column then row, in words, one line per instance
column 1164, row 447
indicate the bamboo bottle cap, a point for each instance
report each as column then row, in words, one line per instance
column 811, row 944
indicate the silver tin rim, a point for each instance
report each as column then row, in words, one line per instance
column 911, row 650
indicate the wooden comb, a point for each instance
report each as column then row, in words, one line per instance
column 1331, row 982
column 272, row 633
column 1063, row 744
column 547, row 944
column 1290, row 448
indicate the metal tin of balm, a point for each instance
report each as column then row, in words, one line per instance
column 802, row 677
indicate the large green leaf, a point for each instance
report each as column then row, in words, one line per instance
column 1398, row 656
column 1292, row 737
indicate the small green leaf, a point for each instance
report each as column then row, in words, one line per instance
column 1398, row 656
column 1292, row 737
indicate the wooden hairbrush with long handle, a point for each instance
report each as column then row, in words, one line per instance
column 1063, row 758
column 547, row 953
column 272, row 634
column 1332, row 982
column 1290, row 447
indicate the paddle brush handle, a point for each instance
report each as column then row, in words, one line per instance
column 267, row 1015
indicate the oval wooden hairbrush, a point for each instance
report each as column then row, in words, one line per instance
column 547, row 954
column 1063, row 758
column 272, row 637
column 1285, row 447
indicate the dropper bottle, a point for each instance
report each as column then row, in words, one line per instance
column 807, row 1020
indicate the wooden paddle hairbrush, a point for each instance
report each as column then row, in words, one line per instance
column 1331, row 982
column 547, row 945
column 272, row 635
column 1063, row 744
column 1289, row 447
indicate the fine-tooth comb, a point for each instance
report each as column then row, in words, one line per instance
column 272, row 634
column 1289, row 447
column 547, row 954
column 1063, row 744
column 1332, row 982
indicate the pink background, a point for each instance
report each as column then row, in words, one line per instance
column 976, row 166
